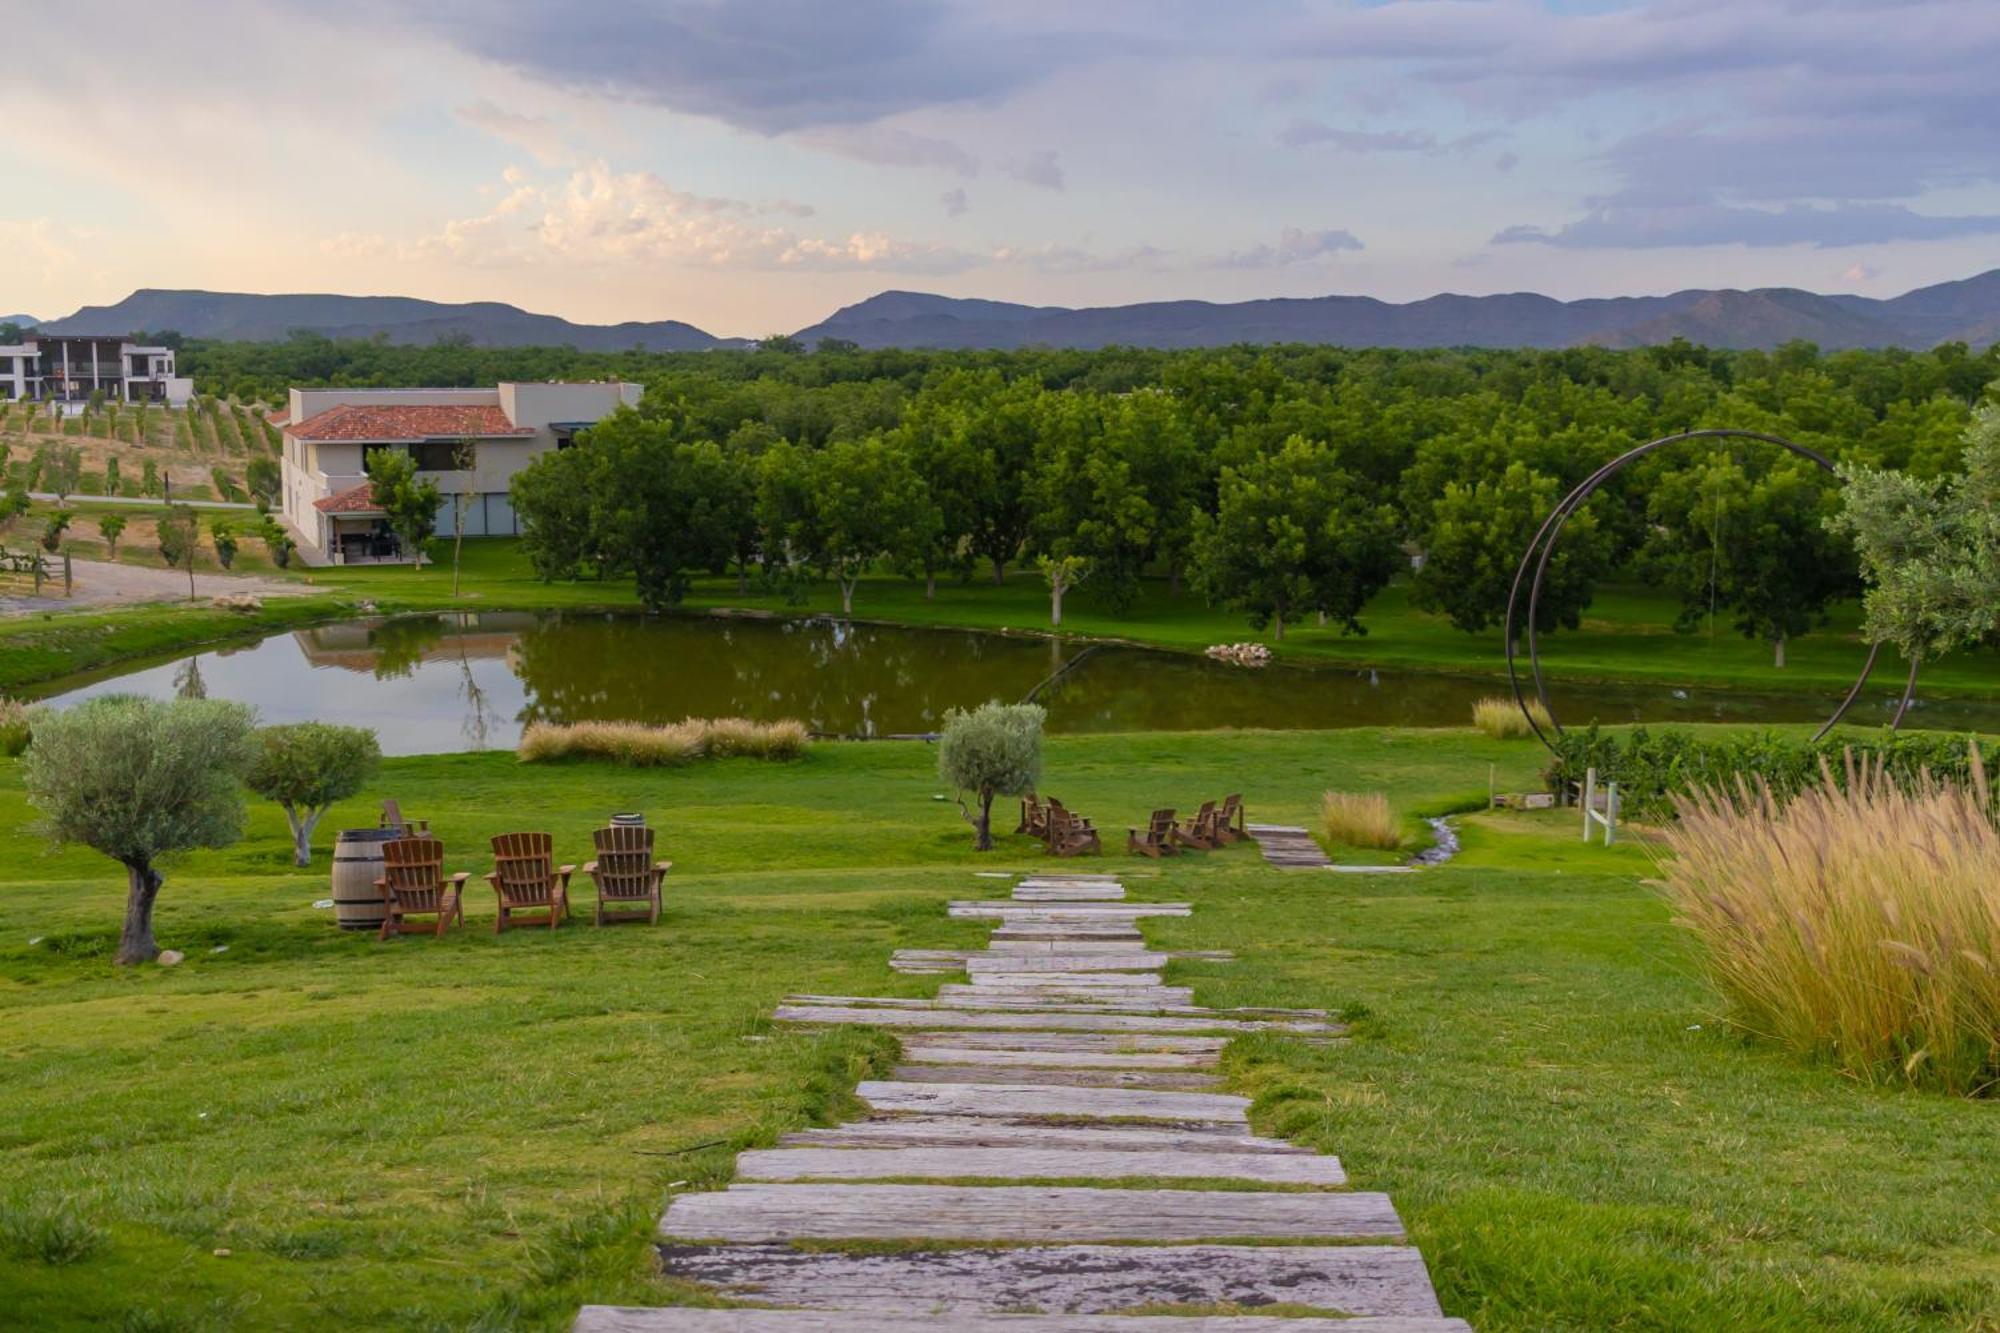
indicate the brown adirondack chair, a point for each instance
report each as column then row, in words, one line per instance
column 526, row 878
column 413, row 884
column 1200, row 831
column 392, row 818
column 1230, row 821
column 626, row 874
column 1156, row 839
column 1034, row 817
column 1070, row 835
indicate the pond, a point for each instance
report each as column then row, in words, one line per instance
column 430, row 684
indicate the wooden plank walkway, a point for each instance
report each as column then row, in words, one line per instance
column 1032, row 1158
column 1288, row 847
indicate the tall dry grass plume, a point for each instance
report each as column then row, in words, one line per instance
column 1360, row 819
column 1500, row 717
column 646, row 745
column 1858, row 923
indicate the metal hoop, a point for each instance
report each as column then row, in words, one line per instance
column 1542, row 547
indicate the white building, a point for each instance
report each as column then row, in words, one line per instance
column 329, row 434
column 69, row 368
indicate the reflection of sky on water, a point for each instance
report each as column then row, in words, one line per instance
column 436, row 684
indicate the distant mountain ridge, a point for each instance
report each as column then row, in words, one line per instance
column 252, row 317
column 1965, row 311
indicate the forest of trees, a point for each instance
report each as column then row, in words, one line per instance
column 1288, row 481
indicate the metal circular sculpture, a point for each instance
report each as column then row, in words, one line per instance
column 1543, row 546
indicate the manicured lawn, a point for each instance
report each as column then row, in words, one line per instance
column 479, row 1132
column 1627, row 635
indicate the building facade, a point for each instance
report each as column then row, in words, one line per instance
column 329, row 433
column 69, row 368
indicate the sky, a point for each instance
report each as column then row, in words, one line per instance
column 750, row 167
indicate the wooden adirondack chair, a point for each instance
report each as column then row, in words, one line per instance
column 1034, row 817
column 1156, row 839
column 626, row 874
column 1070, row 835
column 1230, row 821
column 1199, row 831
column 413, row 884
column 392, row 818
column 526, row 879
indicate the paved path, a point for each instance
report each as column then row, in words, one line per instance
column 1016, row 1173
column 107, row 583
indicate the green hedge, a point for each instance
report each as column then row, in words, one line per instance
column 1651, row 767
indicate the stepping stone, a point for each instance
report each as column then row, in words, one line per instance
column 1101, row 979
column 1075, row 1078
column 1082, row 914
column 1034, row 1042
column 632, row 1319
column 969, row 1055
column 1023, row 1212
column 1288, row 847
column 1126, row 960
column 1027, row 1098
column 989, row 999
column 792, row 1164
column 1143, row 999
column 994, row 1132
column 1070, row 1279
column 1029, row 1020
column 1116, row 941
column 1068, row 893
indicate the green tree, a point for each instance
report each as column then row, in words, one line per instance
column 868, row 502
column 53, row 528
column 1061, row 573
column 1293, row 533
column 408, row 502
column 149, row 479
column 139, row 779
column 1088, row 501
column 111, row 477
column 307, row 766
column 179, row 535
column 1474, row 541
column 464, row 459
column 993, row 750
column 111, row 527
column 63, row 472
column 1756, row 546
column 721, row 490
column 1929, row 549
column 278, row 542
column 552, row 500
column 261, row 475
column 223, row 535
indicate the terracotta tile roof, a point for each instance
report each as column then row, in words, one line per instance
column 355, row 500
column 357, row 421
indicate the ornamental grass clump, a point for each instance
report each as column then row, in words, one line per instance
column 649, row 745
column 1360, row 819
column 1500, row 717
column 1857, row 923
column 14, row 727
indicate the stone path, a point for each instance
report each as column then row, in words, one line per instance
column 1288, row 847
column 1016, row 1172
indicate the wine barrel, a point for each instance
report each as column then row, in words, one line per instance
column 357, row 864
column 628, row 821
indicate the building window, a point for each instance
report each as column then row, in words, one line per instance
column 436, row 455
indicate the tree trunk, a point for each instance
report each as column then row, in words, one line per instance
column 457, row 546
column 742, row 579
column 135, row 942
column 930, row 584
column 847, row 595
column 302, row 831
column 984, row 827
column 1055, row 606
column 1174, row 580
column 999, row 571
column 1779, row 645
column 1278, row 620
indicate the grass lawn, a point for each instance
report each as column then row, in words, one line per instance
column 1627, row 635
column 480, row 1132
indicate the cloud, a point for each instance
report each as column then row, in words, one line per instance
column 774, row 66
column 538, row 136
column 1307, row 133
column 1645, row 225
column 954, row 202
column 1037, row 168
column 1294, row 246
column 888, row 146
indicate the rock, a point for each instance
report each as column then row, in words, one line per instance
column 221, row 1254
column 170, row 957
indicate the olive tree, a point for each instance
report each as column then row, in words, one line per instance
column 138, row 780
column 994, row 750
column 305, row 767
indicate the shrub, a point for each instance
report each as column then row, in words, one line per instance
column 1500, row 717
column 305, row 767
column 994, row 750
column 646, row 745
column 1651, row 768
column 1360, row 819
column 49, row 1233
column 1856, row 923
column 14, row 727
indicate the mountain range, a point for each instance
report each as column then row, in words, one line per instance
column 1964, row 311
